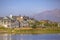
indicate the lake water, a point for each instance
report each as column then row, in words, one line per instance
column 29, row 36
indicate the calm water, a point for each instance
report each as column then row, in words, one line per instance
column 29, row 36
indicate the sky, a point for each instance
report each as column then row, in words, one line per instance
column 26, row 7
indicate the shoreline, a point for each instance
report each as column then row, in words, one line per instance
column 30, row 30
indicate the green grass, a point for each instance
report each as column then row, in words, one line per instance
column 30, row 31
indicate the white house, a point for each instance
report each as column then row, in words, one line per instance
column 9, row 22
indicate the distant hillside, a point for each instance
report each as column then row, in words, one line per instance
column 53, row 15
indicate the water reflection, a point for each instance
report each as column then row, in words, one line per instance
column 5, row 36
column 29, row 36
column 11, row 37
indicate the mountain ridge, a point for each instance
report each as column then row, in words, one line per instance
column 53, row 15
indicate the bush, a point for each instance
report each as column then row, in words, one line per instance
column 33, row 26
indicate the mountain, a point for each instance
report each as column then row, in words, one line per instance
column 53, row 15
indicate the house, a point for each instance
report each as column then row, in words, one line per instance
column 44, row 23
column 23, row 20
column 48, row 23
column 16, row 21
column 9, row 22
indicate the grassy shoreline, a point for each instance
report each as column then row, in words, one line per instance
column 30, row 30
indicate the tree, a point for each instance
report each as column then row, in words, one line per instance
column 36, row 24
column 33, row 26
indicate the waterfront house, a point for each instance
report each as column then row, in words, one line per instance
column 16, row 21
column 9, row 22
column 44, row 23
column 23, row 20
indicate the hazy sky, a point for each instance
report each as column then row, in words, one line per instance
column 26, row 7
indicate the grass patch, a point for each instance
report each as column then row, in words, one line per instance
column 30, row 30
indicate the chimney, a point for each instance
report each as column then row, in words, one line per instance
column 10, row 15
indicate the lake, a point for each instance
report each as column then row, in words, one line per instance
column 29, row 36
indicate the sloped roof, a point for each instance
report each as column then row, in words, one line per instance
column 8, row 18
